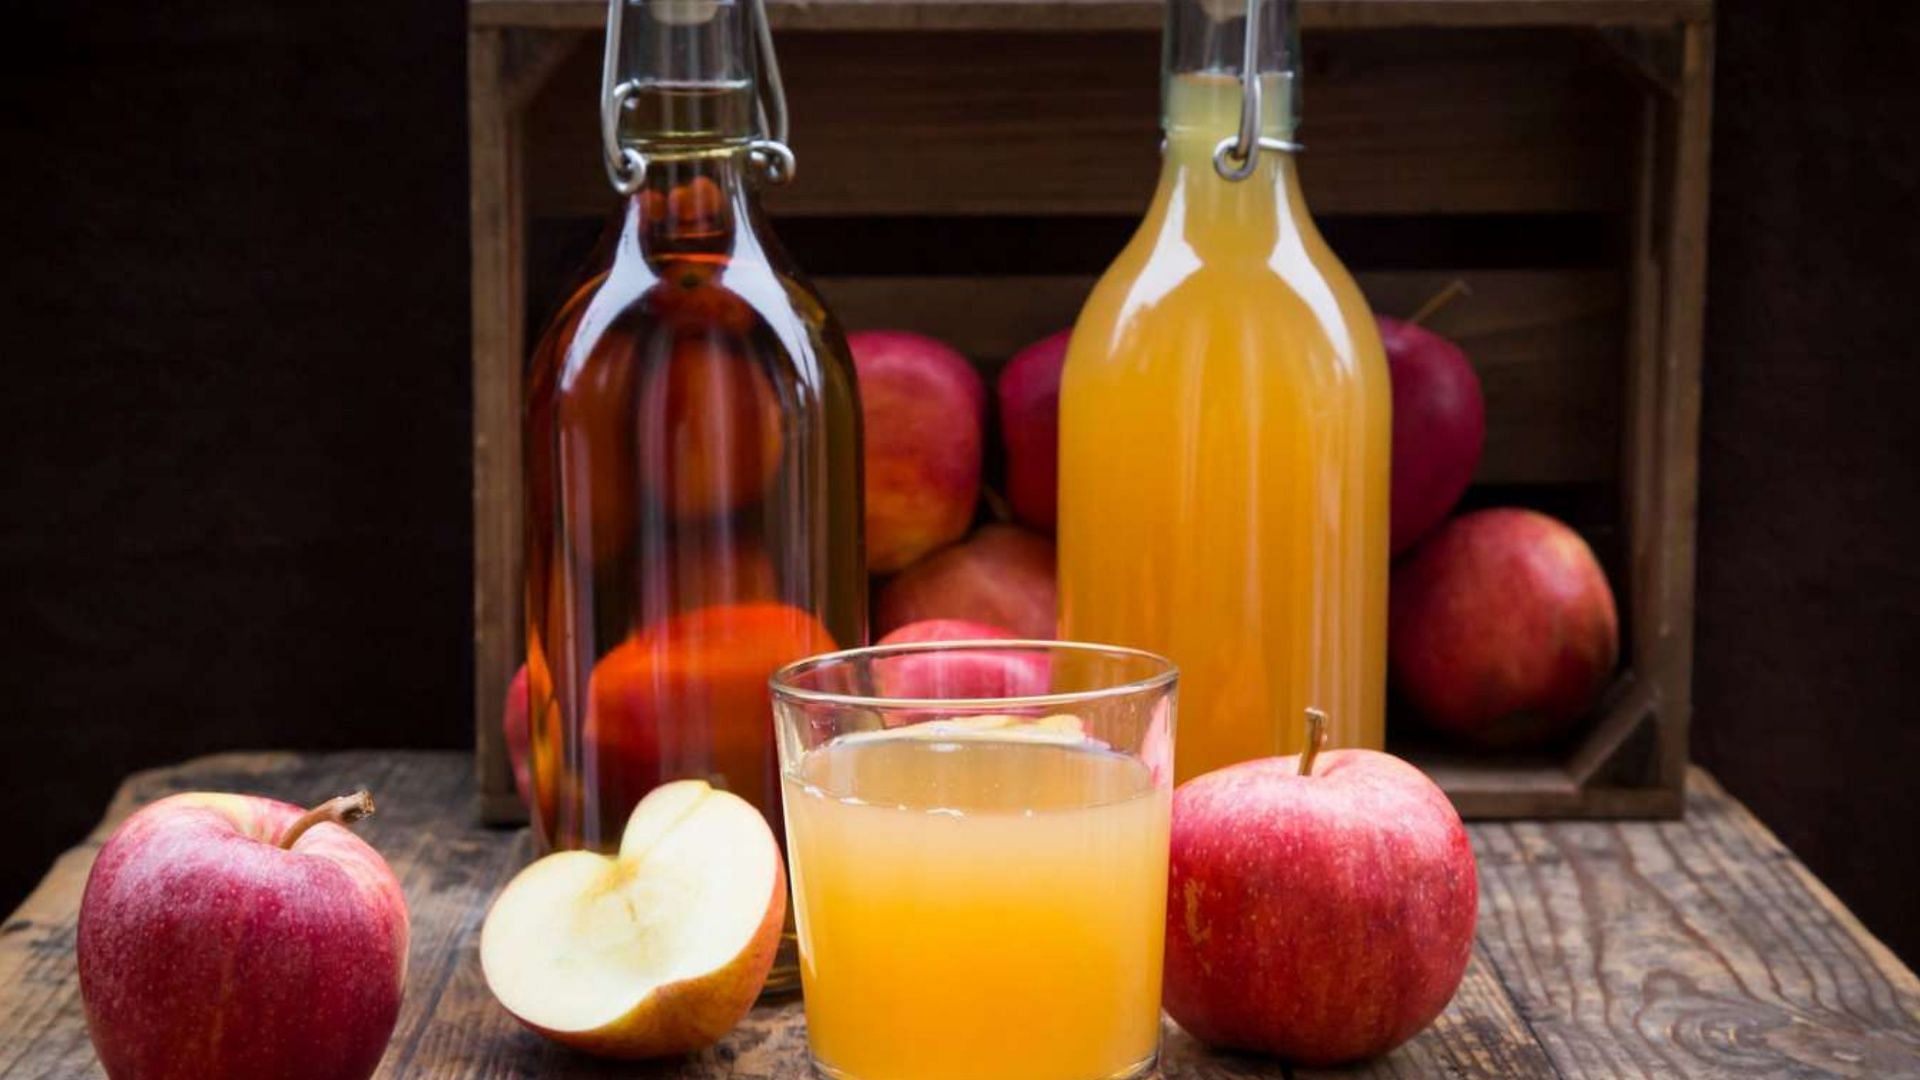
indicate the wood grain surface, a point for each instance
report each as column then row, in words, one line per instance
column 1696, row 948
column 1033, row 123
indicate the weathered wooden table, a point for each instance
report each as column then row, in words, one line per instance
column 1698, row 948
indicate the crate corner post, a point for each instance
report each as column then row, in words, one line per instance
column 1661, row 441
column 496, row 234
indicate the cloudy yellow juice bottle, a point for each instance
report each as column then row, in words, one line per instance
column 1225, row 428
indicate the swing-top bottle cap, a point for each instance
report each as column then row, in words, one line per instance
column 698, row 46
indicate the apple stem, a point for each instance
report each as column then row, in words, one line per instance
column 1455, row 289
column 1316, row 740
column 997, row 505
column 343, row 810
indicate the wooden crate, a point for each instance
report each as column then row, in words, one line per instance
column 968, row 166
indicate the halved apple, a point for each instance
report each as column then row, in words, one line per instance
column 658, row 950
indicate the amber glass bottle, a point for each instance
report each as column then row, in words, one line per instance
column 692, row 452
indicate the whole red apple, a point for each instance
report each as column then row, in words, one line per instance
column 1502, row 629
column 1029, row 392
column 948, row 674
column 923, row 407
column 1319, row 909
column 231, row 935
column 1439, row 427
column 1002, row 575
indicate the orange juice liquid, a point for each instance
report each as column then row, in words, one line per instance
column 1225, row 434
column 978, row 907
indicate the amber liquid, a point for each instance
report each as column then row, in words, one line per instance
column 693, row 497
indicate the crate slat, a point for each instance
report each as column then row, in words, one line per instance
column 1127, row 14
column 904, row 124
column 1547, row 345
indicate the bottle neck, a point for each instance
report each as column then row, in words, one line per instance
column 694, row 81
column 694, row 203
column 1213, row 215
column 690, row 112
column 1205, row 58
column 1202, row 100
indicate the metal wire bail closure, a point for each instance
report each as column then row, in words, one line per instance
column 770, row 151
column 627, row 166
column 1236, row 155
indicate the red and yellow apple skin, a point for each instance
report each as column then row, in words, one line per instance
column 1319, row 919
column 1029, row 392
column 516, row 725
column 1002, row 575
column 1502, row 630
column 710, row 433
column 206, row 950
column 692, row 296
column 1439, row 427
column 923, row 409
column 588, row 427
column 951, row 674
column 687, row 697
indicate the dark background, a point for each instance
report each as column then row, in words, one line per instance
column 234, row 423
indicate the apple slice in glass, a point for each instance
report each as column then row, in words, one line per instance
column 658, row 950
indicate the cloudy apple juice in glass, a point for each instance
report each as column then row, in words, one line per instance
column 691, row 452
column 1224, row 421
column 980, row 884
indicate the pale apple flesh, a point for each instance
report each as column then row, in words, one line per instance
column 658, row 950
column 207, row 949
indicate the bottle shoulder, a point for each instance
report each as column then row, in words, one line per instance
column 1224, row 297
column 1243, row 326
column 641, row 307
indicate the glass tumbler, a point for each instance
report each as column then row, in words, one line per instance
column 977, row 837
